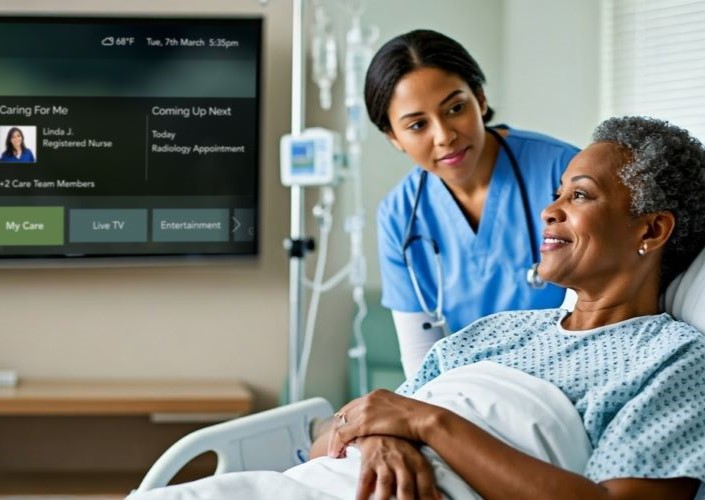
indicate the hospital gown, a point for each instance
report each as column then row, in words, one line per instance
column 638, row 385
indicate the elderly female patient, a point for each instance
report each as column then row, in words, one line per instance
column 628, row 217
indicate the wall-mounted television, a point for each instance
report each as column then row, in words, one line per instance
column 129, row 136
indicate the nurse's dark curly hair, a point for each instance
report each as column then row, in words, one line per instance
column 405, row 53
column 666, row 172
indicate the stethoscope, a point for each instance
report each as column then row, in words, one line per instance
column 532, row 276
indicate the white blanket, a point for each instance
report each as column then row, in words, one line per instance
column 528, row 413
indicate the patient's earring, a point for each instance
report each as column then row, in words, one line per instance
column 642, row 250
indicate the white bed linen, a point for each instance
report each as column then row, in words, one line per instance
column 530, row 414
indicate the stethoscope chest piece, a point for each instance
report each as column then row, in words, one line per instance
column 533, row 278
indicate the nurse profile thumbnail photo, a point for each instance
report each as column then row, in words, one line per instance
column 18, row 144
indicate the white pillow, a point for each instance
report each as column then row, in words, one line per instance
column 685, row 296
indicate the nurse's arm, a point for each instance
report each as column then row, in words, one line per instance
column 414, row 340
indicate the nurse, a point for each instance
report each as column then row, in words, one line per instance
column 475, row 194
column 15, row 149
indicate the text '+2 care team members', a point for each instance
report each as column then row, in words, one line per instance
column 458, row 235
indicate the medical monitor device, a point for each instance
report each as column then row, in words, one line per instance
column 141, row 136
column 312, row 158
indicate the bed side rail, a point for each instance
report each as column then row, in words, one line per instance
column 274, row 439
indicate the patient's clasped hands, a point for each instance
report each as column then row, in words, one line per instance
column 381, row 426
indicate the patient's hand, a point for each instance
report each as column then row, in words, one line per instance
column 381, row 412
column 394, row 466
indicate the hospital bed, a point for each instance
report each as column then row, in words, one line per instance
column 278, row 439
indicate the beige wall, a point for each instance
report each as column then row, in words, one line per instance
column 551, row 67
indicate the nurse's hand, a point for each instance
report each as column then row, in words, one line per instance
column 393, row 467
column 380, row 412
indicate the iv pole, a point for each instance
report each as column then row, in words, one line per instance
column 296, row 245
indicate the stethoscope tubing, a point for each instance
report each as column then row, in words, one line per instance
column 532, row 277
column 522, row 192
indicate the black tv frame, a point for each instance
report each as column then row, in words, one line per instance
column 203, row 214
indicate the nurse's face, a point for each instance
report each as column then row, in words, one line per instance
column 590, row 237
column 16, row 140
column 437, row 120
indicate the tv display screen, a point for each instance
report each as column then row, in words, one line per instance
column 129, row 136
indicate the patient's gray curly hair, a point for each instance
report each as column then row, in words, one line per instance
column 666, row 173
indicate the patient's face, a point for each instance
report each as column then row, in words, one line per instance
column 590, row 238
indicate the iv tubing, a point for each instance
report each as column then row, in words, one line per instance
column 359, row 352
column 331, row 282
column 326, row 217
column 358, row 271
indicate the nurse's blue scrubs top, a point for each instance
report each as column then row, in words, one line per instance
column 25, row 157
column 485, row 271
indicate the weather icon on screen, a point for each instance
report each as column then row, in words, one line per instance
column 108, row 41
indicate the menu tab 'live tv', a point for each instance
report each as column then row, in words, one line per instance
column 129, row 136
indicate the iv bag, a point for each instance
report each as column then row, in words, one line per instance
column 358, row 54
column 323, row 55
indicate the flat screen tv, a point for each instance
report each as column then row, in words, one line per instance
column 129, row 136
